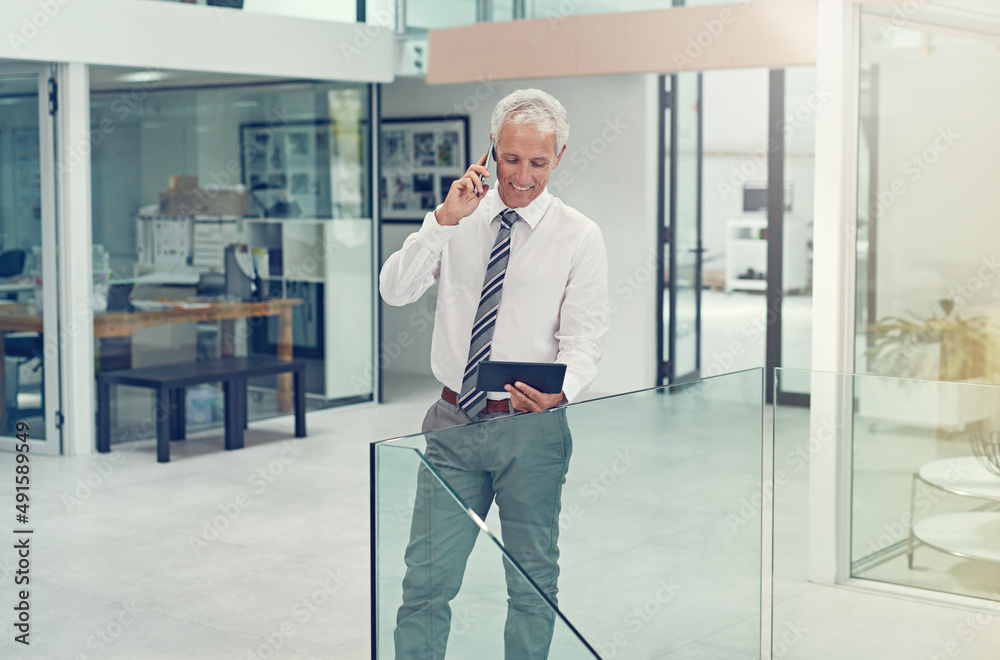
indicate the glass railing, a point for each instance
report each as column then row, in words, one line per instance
column 658, row 525
column 426, row 14
column 885, row 486
column 476, row 617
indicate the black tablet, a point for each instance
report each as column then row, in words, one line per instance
column 543, row 376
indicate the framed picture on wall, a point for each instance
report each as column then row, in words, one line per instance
column 420, row 158
column 287, row 167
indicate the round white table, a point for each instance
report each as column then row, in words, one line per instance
column 974, row 534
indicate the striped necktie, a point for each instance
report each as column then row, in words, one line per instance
column 472, row 400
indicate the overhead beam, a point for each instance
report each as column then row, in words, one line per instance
column 168, row 35
column 768, row 33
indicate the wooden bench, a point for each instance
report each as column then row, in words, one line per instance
column 169, row 382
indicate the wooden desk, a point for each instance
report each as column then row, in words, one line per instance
column 20, row 318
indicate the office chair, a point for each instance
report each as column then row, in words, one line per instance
column 25, row 347
column 12, row 263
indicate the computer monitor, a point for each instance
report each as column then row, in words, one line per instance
column 118, row 296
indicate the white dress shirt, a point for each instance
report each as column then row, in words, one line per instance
column 555, row 293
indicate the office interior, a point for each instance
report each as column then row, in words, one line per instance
column 892, row 278
column 288, row 161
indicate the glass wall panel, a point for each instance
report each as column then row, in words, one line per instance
column 734, row 233
column 925, row 473
column 232, row 217
column 659, row 522
column 928, row 291
column 737, row 316
column 427, row 14
column 922, row 486
column 22, row 372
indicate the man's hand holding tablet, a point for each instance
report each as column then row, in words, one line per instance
column 533, row 386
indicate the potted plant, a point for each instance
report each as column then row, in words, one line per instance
column 959, row 347
column 948, row 346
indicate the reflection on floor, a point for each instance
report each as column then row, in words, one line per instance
column 263, row 553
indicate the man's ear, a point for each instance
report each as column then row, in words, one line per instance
column 559, row 157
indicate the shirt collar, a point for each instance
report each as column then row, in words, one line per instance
column 532, row 213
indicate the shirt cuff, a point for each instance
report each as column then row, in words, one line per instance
column 432, row 235
column 571, row 388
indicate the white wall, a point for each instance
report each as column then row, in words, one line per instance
column 406, row 331
column 616, row 188
column 730, row 140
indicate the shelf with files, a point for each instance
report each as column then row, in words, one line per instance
column 293, row 250
column 184, row 242
column 286, row 249
column 327, row 263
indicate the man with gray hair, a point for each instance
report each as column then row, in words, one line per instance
column 522, row 277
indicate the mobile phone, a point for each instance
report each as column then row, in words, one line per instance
column 488, row 154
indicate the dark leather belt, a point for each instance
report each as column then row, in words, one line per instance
column 503, row 405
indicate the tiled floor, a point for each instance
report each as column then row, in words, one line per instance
column 264, row 552
column 261, row 552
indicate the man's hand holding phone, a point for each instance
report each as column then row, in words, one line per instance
column 465, row 193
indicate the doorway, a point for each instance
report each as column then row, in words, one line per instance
column 736, row 223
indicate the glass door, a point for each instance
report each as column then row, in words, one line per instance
column 681, row 237
column 29, row 382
